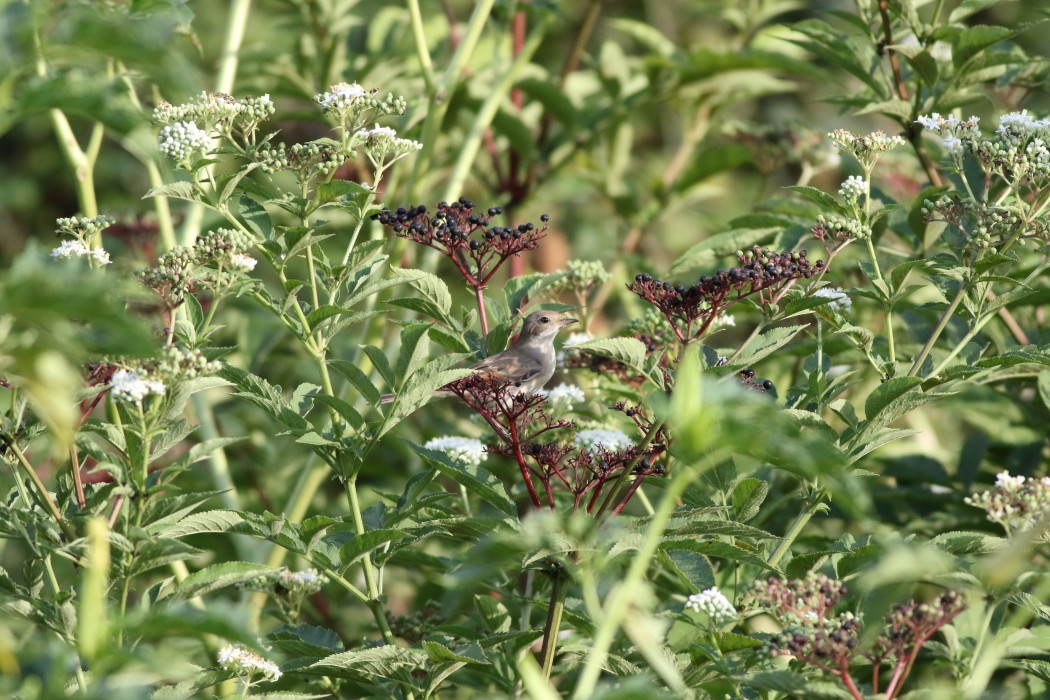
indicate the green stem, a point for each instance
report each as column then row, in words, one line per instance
column 231, row 45
column 889, row 308
column 554, row 613
column 438, row 102
column 374, row 603
column 420, row 38
column 815, row 502
column 57, row 590
column 468, row 150
column 43, row 497
column 624, row 594
column 941, row 325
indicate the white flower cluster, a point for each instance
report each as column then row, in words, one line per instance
column 563, row 397
column 866, row 149
column 1016, row 502
column 470, row 451
column 179, row 141
column 131, row 386
column 717, row 606
column 340, row 97
column 955, row 132
column 308, row 581
column 853, row 188
column 591, row 438
column 240, row 261
column 382, row 145
column 840, row 302
column 77, row 249
column 247, row 663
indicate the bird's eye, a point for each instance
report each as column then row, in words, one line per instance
column 544, row 319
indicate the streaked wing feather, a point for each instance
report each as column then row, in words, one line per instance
column 511, row 367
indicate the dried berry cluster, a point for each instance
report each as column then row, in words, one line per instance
column 464, row 236
column 908, row 627
column 692, row 309
column 520, row 422
column 814, row 635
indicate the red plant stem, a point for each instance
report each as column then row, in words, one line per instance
column 479, row 293
column 875, row 665
column 896, row 680
column 628, row 494
column 847, row 680
column 524, row 467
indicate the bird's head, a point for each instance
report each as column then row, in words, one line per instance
column 544, row 324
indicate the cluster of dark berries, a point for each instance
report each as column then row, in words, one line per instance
column 464, row 236
column 691, row 309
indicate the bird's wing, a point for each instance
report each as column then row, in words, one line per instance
column 511, row 367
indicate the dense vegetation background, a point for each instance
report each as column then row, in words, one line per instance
column 180, row 423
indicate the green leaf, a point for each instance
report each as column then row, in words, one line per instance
column 365, row 665
column 415, row 346
column 305, row 640
column 255, row 216
column 438, row 653
column 475, row 479
column 358, row 379
column 714, row 548
column 970, row 41
column 218, row 576
column 766, row 344
column 720, row 245
column 820, row 197
column 748, row 496
column 207, row 521
column 629, row 351
column 550, row 95
column 431, row 289
column 362, row 544
column 889, row 391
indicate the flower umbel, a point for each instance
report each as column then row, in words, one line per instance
column 460, row 449
column 711, row 601
column 131, row 386
column 1016, row 503
column 246, row 663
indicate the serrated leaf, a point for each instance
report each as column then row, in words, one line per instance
column 358, row 379
column 431, row 288
column 438, row 653
column 823, row 199
column 888, row 392
column 207, row 521
column 766, row 344
column 748, row 497
column 475, row 479
column 218, row 576
column 390, row 661
column 712, row 248
column 960, row 542
column 362, row 544
column 629, row 351
column 714, row 548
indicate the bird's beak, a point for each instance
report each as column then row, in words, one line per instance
column 568, row 321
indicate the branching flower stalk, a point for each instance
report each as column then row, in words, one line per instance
column 1011, row 210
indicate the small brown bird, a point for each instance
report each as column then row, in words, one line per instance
column 529, row 363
